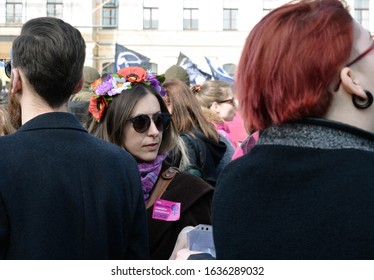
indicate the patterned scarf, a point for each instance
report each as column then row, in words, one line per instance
column 149, row 172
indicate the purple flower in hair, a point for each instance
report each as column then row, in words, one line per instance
column 156, row 84
column 104, row 87
column 103, row 91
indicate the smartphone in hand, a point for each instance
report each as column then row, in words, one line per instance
column 201, row 239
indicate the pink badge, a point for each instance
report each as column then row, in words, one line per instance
column 166, row 210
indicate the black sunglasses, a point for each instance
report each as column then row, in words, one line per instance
column 141, row 123
column 8, row 68
column 229, row 101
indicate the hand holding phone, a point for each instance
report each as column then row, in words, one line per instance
column 201, row 239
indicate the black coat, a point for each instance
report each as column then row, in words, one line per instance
column 305, row 191
column 67, row 195
column 204, row 154
column 195, row 196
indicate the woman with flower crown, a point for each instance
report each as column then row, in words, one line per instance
column 128, row 110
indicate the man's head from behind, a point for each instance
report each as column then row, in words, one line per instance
column 51, row 55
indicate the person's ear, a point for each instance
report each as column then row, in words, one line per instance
column 214, row 106
column 16, row 81
column 79, row 86
column 351, row 85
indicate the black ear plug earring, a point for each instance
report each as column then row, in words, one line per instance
column 357, row 101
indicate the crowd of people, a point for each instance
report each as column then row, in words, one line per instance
column 120, row 165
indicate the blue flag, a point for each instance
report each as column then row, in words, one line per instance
column 196, row 75
column 219, row 73
column 125, row 57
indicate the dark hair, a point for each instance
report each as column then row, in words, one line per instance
column 291, row 62
column 111, row 126
column 51, row 53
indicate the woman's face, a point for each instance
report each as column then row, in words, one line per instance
column 226, row 110
column 143, row 146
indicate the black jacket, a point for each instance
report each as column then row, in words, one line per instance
column 204, row 155
column 67, row 195
column 305, row 191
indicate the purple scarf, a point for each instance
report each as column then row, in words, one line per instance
column 149, row 172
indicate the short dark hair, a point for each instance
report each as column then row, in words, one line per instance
column 51, row 53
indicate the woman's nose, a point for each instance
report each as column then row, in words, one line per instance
column 153, row 129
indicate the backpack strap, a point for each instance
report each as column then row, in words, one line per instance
column 161, row 185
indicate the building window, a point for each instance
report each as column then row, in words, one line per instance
column 153, row 67
column 230, row 14
column 229, row 19
column 110, row 13
column 13, row 12
column 361, row 12
column 190, row 15
column 269, row 5
column 54, row 8
column 150, row 18
column 190, row 19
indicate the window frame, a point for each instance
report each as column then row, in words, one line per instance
column 268, row 6
column 17, row 14
column 109, row 14
column 231, row 20
column 153, row 24
column 190, row 23
column 362, row 12
column 57, row 5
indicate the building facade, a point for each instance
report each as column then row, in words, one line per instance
column 157, row 29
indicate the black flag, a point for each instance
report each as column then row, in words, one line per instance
column 125, row 57
column 196, row 75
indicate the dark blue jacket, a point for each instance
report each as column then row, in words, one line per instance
column 67, row 195
column 305, row 191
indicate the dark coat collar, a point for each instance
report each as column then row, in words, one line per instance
column 318, row 133
column 55, row 120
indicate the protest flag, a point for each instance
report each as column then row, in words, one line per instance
column 219, row 73
column 125, row 57
column 196, row 75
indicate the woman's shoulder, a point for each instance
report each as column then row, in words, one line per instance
column 187, row 189
column 187, row 178
column 185, row 184
column 194, row 143
column 188, row 137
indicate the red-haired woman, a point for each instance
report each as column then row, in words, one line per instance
column 305, row 80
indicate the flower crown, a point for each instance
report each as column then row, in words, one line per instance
column 103, row 89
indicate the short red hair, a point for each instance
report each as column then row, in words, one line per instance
column 291, row 59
